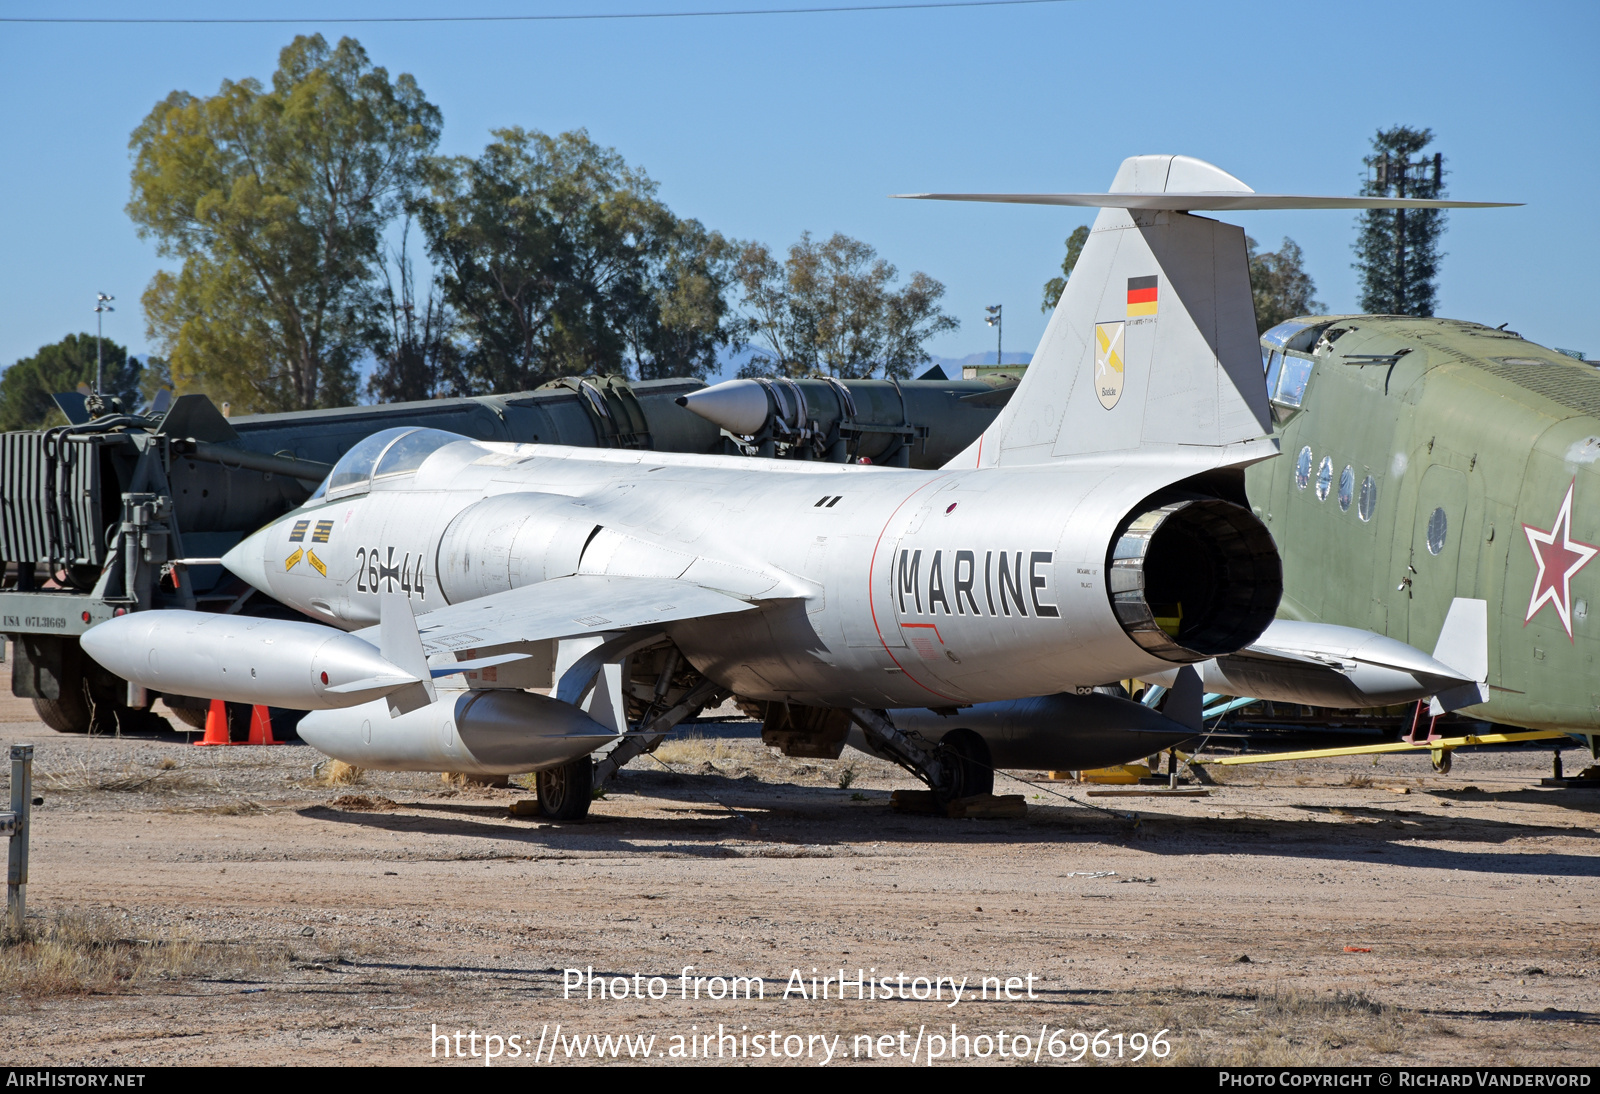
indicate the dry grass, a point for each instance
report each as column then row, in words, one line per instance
column 338, row 773
column 79, row 952
column 1285, row 1027
column 118, row 774
column 1359, row 782
column 692, row 748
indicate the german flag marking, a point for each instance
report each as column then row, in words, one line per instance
column 1142, row 295
column 311, row 557
column 293, row 560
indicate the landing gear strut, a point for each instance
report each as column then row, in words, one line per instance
column 943, row 767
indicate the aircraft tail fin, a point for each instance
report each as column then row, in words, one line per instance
column 1153, row 344
column 1464, row 646
column 401, row 646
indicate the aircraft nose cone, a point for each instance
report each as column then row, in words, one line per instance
column 739, row 406
column 248, row 559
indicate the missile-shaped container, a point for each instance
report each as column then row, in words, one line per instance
column 272, row 662
column 911, row 423
column 479, row 732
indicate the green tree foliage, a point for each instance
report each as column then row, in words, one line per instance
column 555, row 257
column 1397, row 251
column 27, row 386
column 1279, row 285
column 1058, row 285
column 832, row 308
column 275, row 201
column 415, row 356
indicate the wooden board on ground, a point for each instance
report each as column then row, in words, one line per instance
column 1152, row 792
column 976, row 807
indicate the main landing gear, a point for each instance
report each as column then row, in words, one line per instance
column 957, row 767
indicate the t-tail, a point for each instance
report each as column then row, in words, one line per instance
column 1153, row 346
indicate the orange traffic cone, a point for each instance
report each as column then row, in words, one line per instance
column 261, row 727
column 216, row 725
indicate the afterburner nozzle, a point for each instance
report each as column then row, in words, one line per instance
column 739, row 406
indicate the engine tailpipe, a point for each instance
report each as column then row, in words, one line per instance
column 1194, row 579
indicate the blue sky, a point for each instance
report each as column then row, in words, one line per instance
column 763, row 127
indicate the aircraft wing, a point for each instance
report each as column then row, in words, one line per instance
column 566, row 607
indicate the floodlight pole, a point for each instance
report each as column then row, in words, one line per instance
column 994, row 321
column 101, row 306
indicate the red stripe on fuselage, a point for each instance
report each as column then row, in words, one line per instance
column 873, row 608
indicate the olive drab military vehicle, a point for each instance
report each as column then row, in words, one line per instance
column 1426, row 460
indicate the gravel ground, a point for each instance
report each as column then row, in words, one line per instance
column 220, row 905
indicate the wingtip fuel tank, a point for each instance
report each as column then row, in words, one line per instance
column 272, row 662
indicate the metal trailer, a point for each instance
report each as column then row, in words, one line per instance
column 119, row 512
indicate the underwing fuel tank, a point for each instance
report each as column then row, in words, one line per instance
column 480, row 732
column 271, row 662
column 1064, row 732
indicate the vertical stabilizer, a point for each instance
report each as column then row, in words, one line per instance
column 1153, row 344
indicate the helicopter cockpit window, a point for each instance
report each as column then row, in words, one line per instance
column 408, row 452
column 353, row 472
column 1293, row 375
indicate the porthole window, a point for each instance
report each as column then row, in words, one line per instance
column 1347, row 488
column 1324, row 478
column 1302, row 468
column 1438, row 527
column 1368, row 500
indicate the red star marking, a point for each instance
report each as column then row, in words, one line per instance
column 1559, row 557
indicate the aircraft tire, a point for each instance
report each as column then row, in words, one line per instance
column 973, row 773
column 68, row 714
column 566, row 791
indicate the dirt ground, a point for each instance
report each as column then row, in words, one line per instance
column 222, row 905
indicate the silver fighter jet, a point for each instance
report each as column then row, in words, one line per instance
column 1098, row 530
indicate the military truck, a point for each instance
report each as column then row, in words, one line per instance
column 117, row 512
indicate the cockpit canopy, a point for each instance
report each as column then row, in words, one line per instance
column 386, row 453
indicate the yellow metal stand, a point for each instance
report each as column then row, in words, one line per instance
column 1440, row 748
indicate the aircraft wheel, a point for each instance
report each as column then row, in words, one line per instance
column 1441, row 762
column 973, row 773
column 566, row 791
column 68, row 714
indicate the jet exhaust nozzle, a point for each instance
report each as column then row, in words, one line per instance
column 481, row 732
column 271, row 662
column 1194, row 579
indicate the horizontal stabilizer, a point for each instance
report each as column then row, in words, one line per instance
column 1213, row 202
